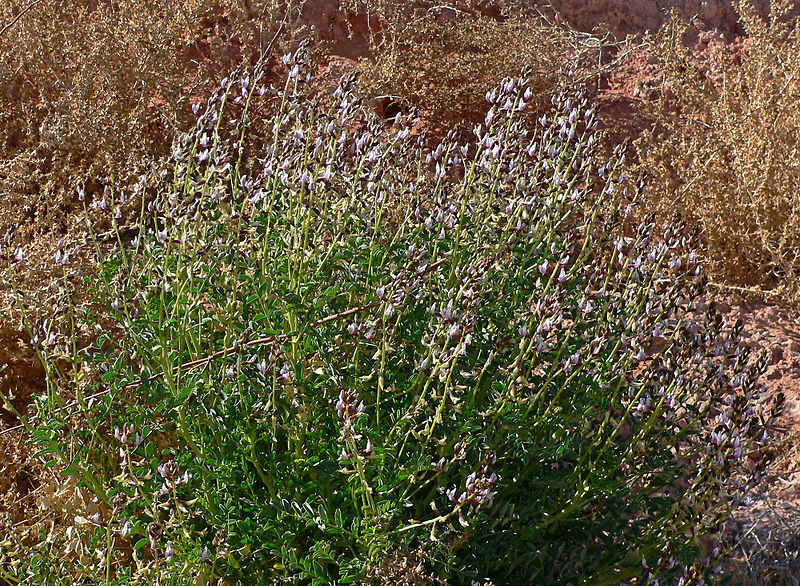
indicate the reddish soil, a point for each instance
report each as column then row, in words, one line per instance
column 624, row 17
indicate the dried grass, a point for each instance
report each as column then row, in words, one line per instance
column 442, row 57
column 766, row 533
column 725, row 154
column 98, row 89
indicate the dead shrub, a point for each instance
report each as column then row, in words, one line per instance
column 442, row 57
column 98, row 89
column 726, row 154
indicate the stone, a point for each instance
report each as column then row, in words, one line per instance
column 774, row 373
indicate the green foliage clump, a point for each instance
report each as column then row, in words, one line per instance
column 329, row 342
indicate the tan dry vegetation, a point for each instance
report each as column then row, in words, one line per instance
column 98, row 89
column 444, row 57
column 726, row 154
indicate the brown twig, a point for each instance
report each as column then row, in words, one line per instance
column 264, row 341
column 20, row 15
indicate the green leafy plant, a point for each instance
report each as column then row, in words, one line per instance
column 328, row 342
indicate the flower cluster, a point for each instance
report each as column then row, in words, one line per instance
column 478, row 493
column 173, row 479
column 349, row 408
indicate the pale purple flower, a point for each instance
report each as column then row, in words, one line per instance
column 286, row 373
column 62, row 257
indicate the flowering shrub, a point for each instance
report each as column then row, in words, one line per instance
column 330, row 343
